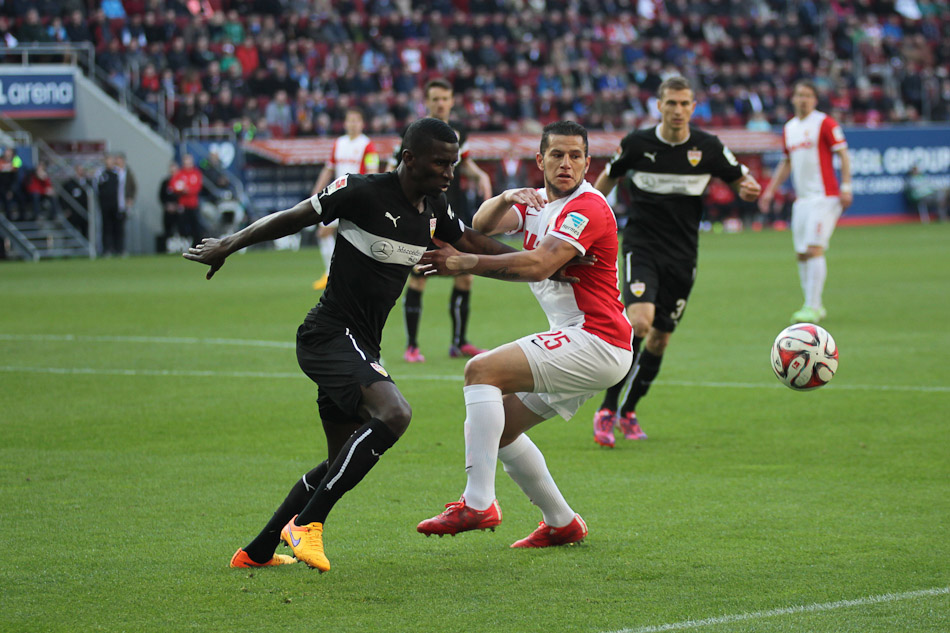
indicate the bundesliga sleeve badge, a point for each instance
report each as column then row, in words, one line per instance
column 574, row 224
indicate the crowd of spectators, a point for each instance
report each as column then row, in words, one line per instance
column 292, row 67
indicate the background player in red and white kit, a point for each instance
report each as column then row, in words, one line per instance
column 587, row 348
column 811, row 137
column 353, row 153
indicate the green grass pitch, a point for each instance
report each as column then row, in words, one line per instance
column 150, row 422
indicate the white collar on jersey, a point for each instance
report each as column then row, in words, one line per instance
column 663, row 140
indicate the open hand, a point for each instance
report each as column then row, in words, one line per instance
column 445, row 260
column 211, row 252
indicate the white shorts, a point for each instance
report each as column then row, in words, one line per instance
column 813, row 221
column 569, row 366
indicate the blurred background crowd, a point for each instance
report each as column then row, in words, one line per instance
column 288, row 68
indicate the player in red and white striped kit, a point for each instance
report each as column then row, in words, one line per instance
column 811, row 138
column 353, row 153
column 586, row 349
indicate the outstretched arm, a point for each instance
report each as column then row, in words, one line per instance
column 551, row 255
column 213, row 252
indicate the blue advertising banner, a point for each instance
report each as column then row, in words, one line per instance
column 32, row 95
column 881, row 160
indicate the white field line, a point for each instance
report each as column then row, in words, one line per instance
column 171, row 340
column 808, row 608
column 407, row 377
column 291, row 345
column 410, row 377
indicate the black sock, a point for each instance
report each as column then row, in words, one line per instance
column 458, row 310
column 412, row 306
column 262, row 548
column 644, row 371
column 356, row 458
column 612, row 395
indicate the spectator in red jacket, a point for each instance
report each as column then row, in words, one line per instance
column 187, row 183
column 39, row 189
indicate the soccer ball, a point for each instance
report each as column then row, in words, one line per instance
column 804, row 356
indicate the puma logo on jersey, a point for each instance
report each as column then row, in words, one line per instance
column 651, row 156
column 390, row 216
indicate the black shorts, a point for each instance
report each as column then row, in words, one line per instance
column 664, row 282
column 335, row 360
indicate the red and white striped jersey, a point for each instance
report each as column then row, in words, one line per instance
column 584, row 220
column 353, row 156
column 809, row 145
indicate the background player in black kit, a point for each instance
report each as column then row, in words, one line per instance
column 386, row 222
column 669, row 166
column 439, row 100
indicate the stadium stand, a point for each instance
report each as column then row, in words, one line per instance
column 512, row 61
column 202, row 69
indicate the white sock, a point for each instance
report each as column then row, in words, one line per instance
column 525, row 464
column 484, row 424
column 326, row 250
column 803, row 278
column 817, row 271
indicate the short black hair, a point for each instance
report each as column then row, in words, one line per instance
column 420, row 135
column 563, row 128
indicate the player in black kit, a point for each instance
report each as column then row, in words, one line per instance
column 669, row 167
column 439, row 100
column 386, row 222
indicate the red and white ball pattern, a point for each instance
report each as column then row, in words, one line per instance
column 804, row 356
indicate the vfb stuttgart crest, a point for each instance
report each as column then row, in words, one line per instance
column 638, row 288
column 694, row 156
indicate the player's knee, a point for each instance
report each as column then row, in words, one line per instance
column 478, row 371
column 641, row 325
column 657, row 341
column 396, row 416
column 463, row 282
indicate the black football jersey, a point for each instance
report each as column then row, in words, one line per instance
column 380, row 237
column 667, row 184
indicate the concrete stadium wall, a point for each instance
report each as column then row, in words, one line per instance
column 99, row 117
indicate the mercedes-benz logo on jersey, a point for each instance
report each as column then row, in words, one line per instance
column 381, row 249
